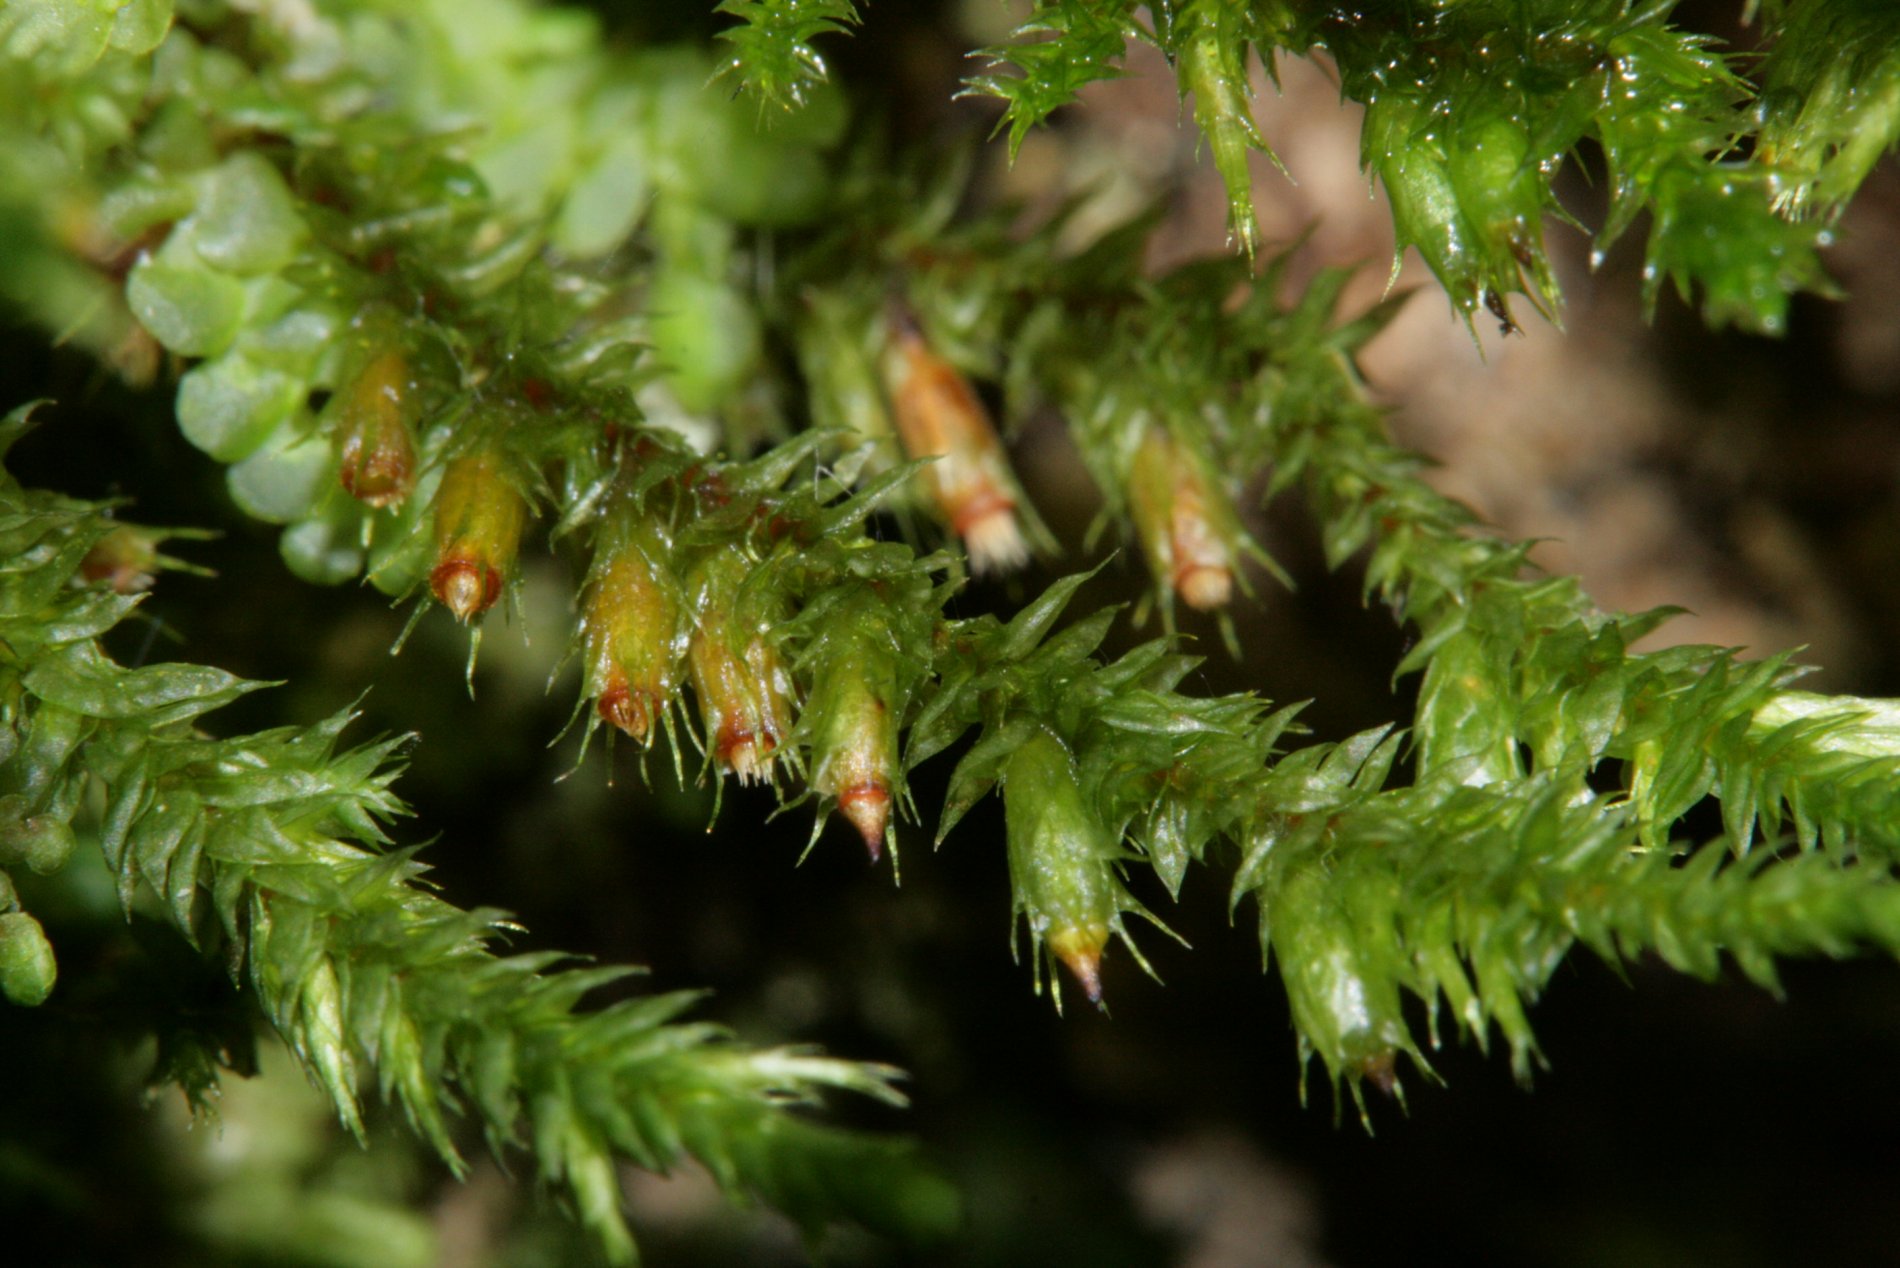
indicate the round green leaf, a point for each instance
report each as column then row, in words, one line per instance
column 140, row 25
column 195, row 312
column 295, row 342
column 705, row 336
column 326, row 549
column 750, row 176
column 136, row 206
column 606, row 201
column 281, row 481
column 230, row 406
column 27, row 968
column 246, row 221
column 42, row 842
column 65, row 36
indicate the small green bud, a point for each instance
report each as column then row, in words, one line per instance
column 322, row 1039
column 1412, row 163
column 479, row 516
column 633, row 638
column 1501, row 188
column 1061, row 860
column 744, row 691
column 1343, row 1008
column 27, row 967
column 43, row 842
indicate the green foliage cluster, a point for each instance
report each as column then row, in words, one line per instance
column 434, row 273
column 1473, row 106
column 269, row 852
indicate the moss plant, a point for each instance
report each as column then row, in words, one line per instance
column 440, row 284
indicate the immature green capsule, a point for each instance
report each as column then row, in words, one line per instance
column 374, row 417
column 1344, row 997
column 852, row 716
column 744, row 689
column 1187, row 525
column 1501, row 188
column 479, row 515
column 1061, row 859
column 27, row 967
column 631, row 629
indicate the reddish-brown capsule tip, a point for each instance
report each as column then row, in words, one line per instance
column 125, row 559
column 377, row 478
column 745, row 752
column 478, row 520
column 1382, row 1071
column 1080, row 950
column 868, row 807
column 632, row 711
column 465, row 588
column 377, row 458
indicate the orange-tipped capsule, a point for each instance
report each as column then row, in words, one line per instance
column 1079, row 948
column 744, row 689
column 378, row 456
column 479, row 515
column 633, row 638
column 852, row 718
column 1186, row 523
column 939, row 416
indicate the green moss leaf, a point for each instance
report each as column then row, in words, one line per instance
column 246, row 222
column 282, row 480
column 194, row 312
column 230, row 406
